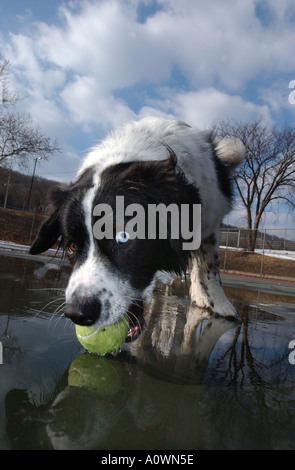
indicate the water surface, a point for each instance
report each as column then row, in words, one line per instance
column 188, row 383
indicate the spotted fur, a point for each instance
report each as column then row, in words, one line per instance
column 152, row 160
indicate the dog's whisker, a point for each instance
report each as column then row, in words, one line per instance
column 46, row 288
column 133, row 323
column 136, row 324
column 58, row 309
column 132, row 299
column 68, row 321
column 58, row 319
column 126, row 321
column 46, row 306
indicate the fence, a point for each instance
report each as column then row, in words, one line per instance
column 274, row 254
column 267, row 239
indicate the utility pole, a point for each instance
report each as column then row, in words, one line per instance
column 32, row 180
column 8, row 183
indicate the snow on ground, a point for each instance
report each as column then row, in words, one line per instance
column 15, row 247
column 278, row 254
column 283, row 254
column 9, row 246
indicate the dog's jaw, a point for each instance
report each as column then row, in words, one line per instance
column 137, row 313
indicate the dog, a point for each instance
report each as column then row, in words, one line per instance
column 149, row 162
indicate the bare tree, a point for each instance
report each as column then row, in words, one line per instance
column 20, row 140
column 268, row 171
column 7, row 97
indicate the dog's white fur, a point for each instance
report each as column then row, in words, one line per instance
column 143, row 141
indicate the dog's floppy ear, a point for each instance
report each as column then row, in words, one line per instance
column 50, row 230
column 163, row 172
column 48, row 234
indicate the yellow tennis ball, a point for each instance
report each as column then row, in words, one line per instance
column 95, row 373
column 104, row 339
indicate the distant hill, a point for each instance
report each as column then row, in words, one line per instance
column 19, row 191
column 19, row 226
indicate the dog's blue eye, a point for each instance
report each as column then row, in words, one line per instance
column 122, row 237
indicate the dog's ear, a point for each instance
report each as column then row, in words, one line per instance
column 50, row 230
column 48, row 234
column 162, row 172
column 149, row 173
column 59, row 195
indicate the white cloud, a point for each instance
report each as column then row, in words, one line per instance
column 224, row 41
column 102, row 45
column 203, row 108
column 90, row 105
column 75, row 71
column 104, row 40
column 47, row 115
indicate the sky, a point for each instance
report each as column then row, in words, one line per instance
column 87, row 66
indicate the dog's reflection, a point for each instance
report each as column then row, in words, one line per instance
column 137, row 386
column 178, row 340
column 173, row 351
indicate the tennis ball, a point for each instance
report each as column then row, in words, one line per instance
column 104, row 339
column 95, row 373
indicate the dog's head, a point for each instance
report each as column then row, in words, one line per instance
column 114, row 273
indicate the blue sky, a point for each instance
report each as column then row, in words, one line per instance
column 90, row 65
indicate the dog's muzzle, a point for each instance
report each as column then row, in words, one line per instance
column 88, row 313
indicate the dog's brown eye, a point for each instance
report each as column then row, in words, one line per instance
column 72, row 248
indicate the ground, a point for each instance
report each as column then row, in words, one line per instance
column 255, row 263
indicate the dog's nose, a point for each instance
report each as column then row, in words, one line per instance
column 85, row 314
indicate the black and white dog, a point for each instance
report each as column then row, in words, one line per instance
column 151, row 161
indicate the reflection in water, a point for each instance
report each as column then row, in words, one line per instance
column 189, row 382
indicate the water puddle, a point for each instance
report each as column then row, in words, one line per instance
column 189, row 382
